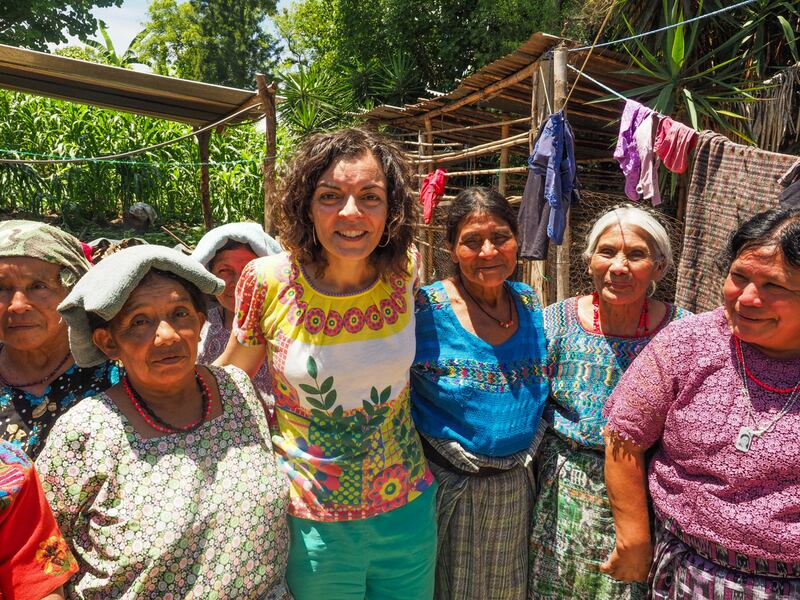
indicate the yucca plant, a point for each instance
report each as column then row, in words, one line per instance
column 691, row 83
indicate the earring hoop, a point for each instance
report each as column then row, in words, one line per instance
column 385, row 244
column 652, row 288
column 314, row 235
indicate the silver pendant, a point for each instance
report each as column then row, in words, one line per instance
column 744, row 439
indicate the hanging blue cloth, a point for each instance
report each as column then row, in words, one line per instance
column 551, row 188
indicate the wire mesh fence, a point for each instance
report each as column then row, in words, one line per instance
column 437, row 262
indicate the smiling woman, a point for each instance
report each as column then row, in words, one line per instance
column 718, row 397
column 333, row 315
column 478, row 390
column 591, row 341
column 175, row 451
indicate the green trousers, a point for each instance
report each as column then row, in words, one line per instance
column 388, row 557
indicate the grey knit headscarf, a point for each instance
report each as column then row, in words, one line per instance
column 105, row 289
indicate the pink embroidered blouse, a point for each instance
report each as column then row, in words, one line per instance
column 684, row 391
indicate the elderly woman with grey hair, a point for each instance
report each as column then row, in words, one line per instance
column 592, row 340
column 165, row 485
column 39, row 379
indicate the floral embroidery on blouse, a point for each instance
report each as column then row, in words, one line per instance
column 340, row 372
column 26, row 419
column 55, row 557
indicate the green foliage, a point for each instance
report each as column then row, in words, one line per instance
column 216, row 41
column 702, row 69
column 391, row 51
column 106, row 53
column 100, row 191
column 173, row 38
column 36, row 23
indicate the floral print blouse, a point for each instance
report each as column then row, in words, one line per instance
column 340, row 370
column 34, row 557
column 198, row 515
column 26, row 419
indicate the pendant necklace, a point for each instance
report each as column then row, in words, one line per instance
column 746, row 433
column 501, row 323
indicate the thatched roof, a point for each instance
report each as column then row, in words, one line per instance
column 502, row 91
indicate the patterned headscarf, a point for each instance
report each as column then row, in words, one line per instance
column 47, row 243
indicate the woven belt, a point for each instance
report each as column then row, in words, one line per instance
column 433, row 456
column 730, row 559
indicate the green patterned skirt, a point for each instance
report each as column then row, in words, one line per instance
column 573, row 528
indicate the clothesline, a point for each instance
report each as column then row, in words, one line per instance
column 597, row 83
column 168, row 163
column 665, row 28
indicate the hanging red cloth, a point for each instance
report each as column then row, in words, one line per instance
column 431, row 191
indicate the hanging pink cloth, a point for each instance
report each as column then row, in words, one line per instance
column 87, row 251
column 674, row 143
column 431, row 191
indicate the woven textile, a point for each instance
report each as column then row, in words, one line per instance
column 483, row 523
column 730, row 183
column 573, row 527
column 584, row 367
column 679, row 573
column 487, row 398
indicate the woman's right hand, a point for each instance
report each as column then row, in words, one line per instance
column 629, row 565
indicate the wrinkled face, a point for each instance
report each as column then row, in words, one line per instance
column 762, row 300
column 485, row 249
column 623, row 265
column 156, row 333
column 30, row 291
column 228, row 266
column 349, row 208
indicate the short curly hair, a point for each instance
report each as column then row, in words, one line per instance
column 315, row 155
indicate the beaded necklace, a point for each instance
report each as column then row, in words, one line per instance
column 755, row 379
column 500, row 322
column 47, row 377
column 154, row 421
column 642, row 326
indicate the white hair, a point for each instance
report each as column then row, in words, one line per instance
column 634, row 217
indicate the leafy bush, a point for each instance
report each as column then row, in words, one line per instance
column 167, row 178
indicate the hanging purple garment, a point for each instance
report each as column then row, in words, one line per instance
column 626, row 152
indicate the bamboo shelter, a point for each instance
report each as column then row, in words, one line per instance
column 483, row 131
column 191, row 102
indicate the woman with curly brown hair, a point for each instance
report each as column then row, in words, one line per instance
column 334, row 317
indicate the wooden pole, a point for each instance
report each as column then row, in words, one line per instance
column 205, row 194
column 425, row 250
column 535, row 273
column 267, row 95
column 560, row 85
column 429, row 233
column 483, row 94
column 501, row 180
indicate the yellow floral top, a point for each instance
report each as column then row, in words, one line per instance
column 340, row 370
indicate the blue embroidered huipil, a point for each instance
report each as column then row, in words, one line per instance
column 487, row 398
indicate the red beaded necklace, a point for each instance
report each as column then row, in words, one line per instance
column 755, row 379
column 154, row 421
column 642, row 326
